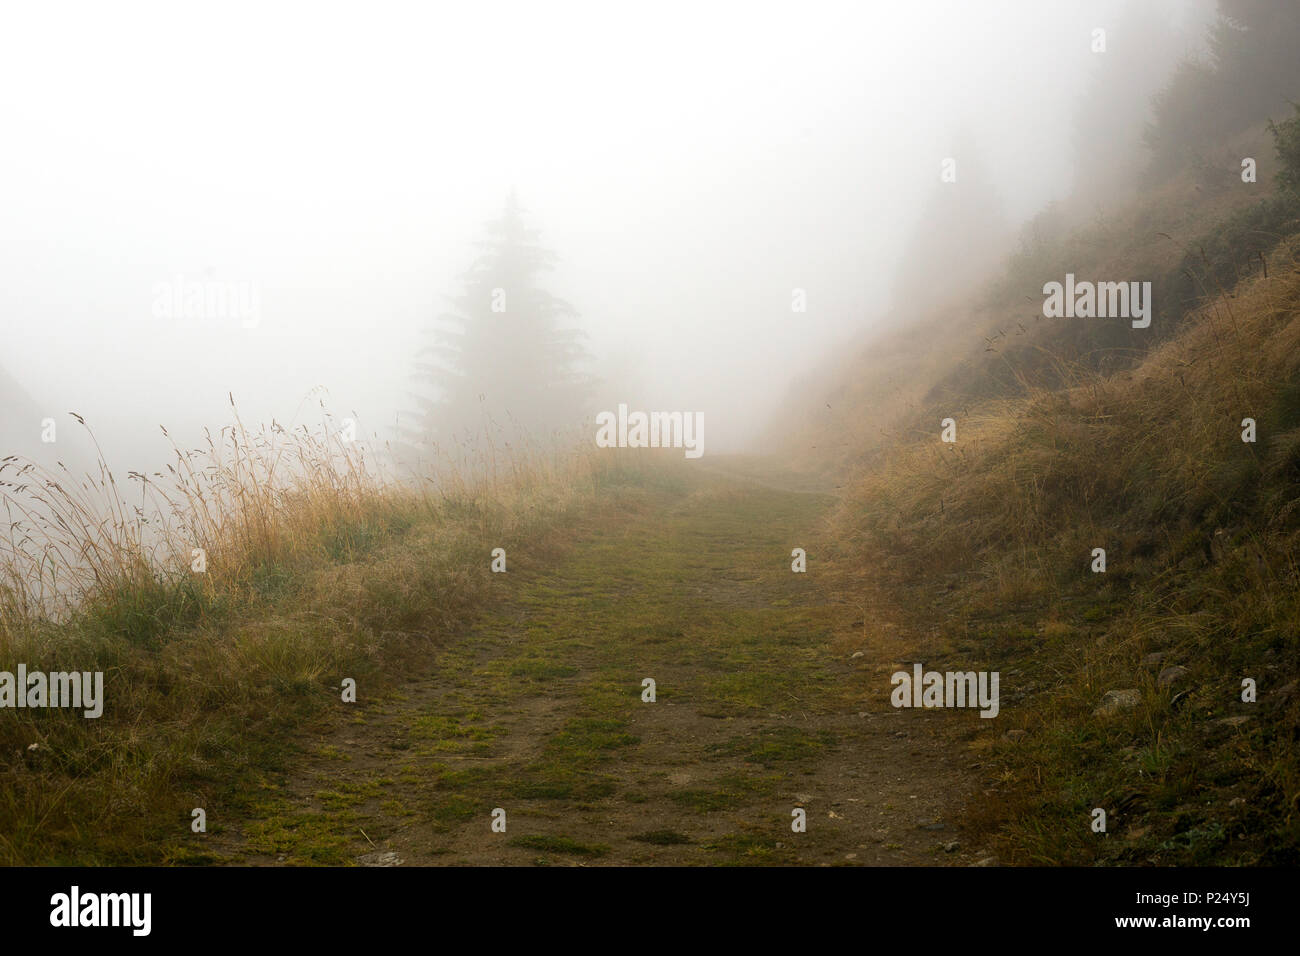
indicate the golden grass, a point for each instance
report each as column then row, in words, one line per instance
column 994, row 536
column 320, row 565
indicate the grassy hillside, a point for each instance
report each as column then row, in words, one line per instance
column 1076, row 434
column 1193, row 237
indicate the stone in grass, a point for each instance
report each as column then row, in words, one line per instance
column 1171, row 675
column 1154, row 659
column 1282, row 696
column 1117, row 701
column 380, row 859
column 1238, row 721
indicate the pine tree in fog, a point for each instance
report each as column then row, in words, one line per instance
column 1249, row 74
column 960, row 233
column 503, row 361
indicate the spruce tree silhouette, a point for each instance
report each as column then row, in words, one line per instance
column 960, row 234
column 503, row 361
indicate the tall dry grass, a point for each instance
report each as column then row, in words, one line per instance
column 321, row 564
column 992, row 539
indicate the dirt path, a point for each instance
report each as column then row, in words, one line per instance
column 760, row 709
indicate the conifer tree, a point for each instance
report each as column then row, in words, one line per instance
column 504, row 360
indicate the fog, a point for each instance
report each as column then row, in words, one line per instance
column 690, row 164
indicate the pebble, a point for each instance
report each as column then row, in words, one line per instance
column 1115, row 701
column 1233, row 721
column 1171, row 675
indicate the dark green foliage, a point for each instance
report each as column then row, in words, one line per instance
column 1286, row 136
column 1250, row 73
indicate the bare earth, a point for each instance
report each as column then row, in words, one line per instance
column 761, row 709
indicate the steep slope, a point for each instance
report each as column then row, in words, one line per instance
column 1193, row 236
column 1080, row 434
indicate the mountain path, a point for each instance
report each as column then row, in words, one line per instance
column 537, row 709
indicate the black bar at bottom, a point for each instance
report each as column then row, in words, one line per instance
column 605, row 905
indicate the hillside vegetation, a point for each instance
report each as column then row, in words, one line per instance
column 1077, row 434
column 316, row 569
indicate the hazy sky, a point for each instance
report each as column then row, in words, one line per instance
column 690, row 163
